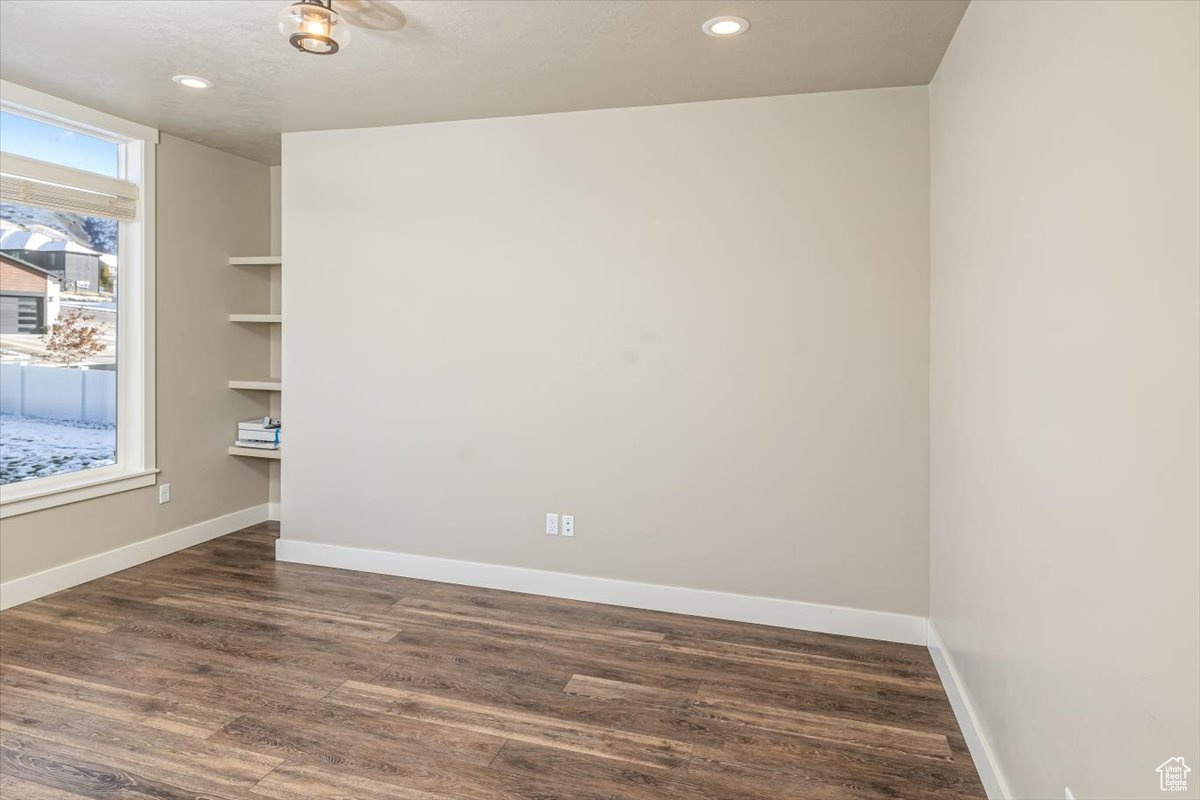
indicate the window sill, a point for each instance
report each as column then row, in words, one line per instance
column 15, row 502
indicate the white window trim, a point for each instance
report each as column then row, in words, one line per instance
column 136, row 465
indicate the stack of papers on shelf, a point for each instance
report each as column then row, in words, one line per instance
column 259, row 433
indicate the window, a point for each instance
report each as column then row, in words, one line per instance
column 58, row 360
column 76, row 302
column 33, row 138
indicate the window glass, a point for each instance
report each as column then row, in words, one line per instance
column 58, row 355
column 44, row 141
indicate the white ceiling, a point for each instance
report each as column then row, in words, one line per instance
column 422, row 61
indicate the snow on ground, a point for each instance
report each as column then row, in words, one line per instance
column 33, row 448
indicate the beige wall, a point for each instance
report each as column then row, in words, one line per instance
column 210, row 206
column 701, row 328
column 275, row 176
column 1065, row 400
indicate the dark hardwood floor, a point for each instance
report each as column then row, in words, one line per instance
column 218, row 673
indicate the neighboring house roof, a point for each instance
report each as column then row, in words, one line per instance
column 16, row 262
column 64, row 246
column 23, row 240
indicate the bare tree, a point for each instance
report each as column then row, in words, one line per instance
column 74, row 337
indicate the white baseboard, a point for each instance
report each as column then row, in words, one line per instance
column 699, row 602
column 978, row 743
column 273, row 511
column 55, row 579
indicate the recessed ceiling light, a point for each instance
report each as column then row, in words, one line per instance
column 192, row 81
column 725, row 26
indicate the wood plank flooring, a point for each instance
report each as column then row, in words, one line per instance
column 218, row 673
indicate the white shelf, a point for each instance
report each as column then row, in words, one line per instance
column 260, row 384
column 263, row 384
column 256, row 318
column 256, row 261
column 255, row 452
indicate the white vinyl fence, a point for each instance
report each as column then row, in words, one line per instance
column 80, row 395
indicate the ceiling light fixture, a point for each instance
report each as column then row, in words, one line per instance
column 312, row 26
column 192, row 81
column 722, row 27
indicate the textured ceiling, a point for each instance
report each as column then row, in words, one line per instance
column 429, row 61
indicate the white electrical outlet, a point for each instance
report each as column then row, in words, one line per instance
column 164, row 493
column 568, row 524
column 552, row 524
